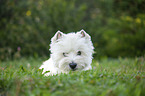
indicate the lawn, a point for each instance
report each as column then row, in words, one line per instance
column 109, row 77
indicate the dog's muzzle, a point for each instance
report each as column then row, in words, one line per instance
column 73, row 65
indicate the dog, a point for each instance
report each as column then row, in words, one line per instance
column 72, row 51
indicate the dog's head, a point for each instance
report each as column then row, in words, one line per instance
column 71, row 51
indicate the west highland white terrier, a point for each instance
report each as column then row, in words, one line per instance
column 72, row 51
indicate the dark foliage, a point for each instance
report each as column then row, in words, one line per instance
column 116, row 26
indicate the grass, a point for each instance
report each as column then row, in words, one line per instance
column 109, row 77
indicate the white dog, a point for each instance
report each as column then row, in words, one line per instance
column 71, row 51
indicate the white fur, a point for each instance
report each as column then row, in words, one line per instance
column 70, row 44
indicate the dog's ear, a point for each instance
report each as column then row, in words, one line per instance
column 58, row 35
column 84, row 34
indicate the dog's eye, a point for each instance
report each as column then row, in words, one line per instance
column 65, row 54
column 79, row 53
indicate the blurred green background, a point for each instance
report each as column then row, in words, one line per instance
column 117, row 27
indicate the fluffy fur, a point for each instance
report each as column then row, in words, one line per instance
column 66, row 49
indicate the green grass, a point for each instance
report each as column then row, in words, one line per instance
column 109, row 77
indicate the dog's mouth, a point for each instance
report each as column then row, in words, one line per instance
column 74, row 69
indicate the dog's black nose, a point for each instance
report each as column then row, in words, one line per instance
column 72, row 65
